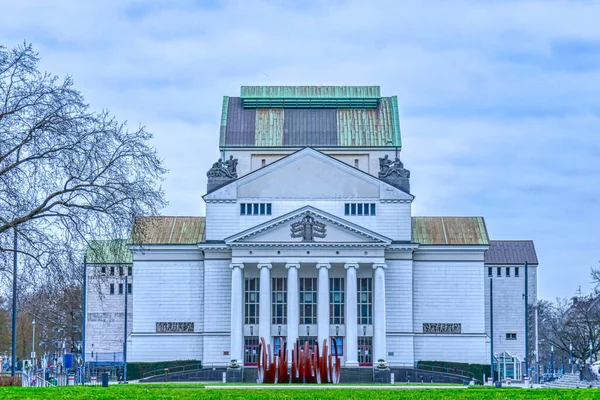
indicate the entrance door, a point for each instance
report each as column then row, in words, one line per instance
column 251, row 350
column 365, row 351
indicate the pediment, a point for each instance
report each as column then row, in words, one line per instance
column 307, row 226
column 308, row 174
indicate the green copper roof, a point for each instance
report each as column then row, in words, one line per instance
column 316, row 116
column 108, row 252
column 449, row 230
column 310, row 96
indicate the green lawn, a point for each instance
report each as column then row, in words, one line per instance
column 148, row 392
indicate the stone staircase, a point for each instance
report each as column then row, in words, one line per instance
column 570, row 381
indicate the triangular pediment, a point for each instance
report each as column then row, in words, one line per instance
column 308, row 226
column 308, row 174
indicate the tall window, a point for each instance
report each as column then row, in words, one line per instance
column 112, row 271
column 498, row 272
column 120, row 288
column 507, row 271
column 516, row 271
column 279, row 300
column 365, row 301
column 308, row 300
column 337, row 342
column 250, row 350
column 129, row 288
column 251, row 300
column 129, row 271
column 336, row 300
column 112, row 288
column 489, row 271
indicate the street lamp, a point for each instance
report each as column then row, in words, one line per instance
column 552, row 358
column 33, row 344
column 571, row 355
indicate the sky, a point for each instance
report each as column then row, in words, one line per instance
column 499, row 101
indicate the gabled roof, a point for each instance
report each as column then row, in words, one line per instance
column 511, row 252
column 358, row 230
column 317, row 116
column 291, row 157
column 168, row 230
column 449, row 230
column 108, row 252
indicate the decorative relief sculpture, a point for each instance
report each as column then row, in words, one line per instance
column 441, row 328
column 308, row 229
column 389, row 168
column 227, row 169
column 174, row 327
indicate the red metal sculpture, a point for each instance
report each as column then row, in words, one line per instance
column 307, row 365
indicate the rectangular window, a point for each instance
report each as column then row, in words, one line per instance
column 129, row 287
column 242, row 209
column 248, row 208
column 347, row 209
column 353, row 209
column 112, row 288
column 268, row 208
column 262, row 209
column 250, row 350
column 279, row 300
column 129, row 271
column 255, row 209
column 365, row 350
column 516, row 272
column 263, row 162
column 366, row 207
column 507, row 271
column 251, row 300
column 356, row 163
column 359, row 207
column 498, row 271
column 112, row 271
column 365, row 301
column 276, row 345
column 511, row 336
column 336, row 300
column 120, row 271
column 337, row 343
column 489, row 271
column 120, row 288
column 372, row 208
column 103, row 270
column 308, row 301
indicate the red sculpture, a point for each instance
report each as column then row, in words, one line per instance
column 307, row 365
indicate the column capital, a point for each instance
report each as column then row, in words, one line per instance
column 351, row 265
column 292, row 265
column 236, row 265
column 264, row 264
column 380, row 265
column 323, row 265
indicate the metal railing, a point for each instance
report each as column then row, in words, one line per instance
column 447, row 370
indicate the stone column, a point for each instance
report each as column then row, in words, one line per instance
column 264, row 308
column 379, row 324
column 323, row 304
column 237, row 312
column 293, row 304
column 351, row 317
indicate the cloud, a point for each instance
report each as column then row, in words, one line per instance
column 498, row 100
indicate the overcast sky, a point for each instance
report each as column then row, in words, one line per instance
column 499, row 101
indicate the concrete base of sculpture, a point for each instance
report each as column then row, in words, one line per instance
column 216, row 182
column 382, row 375
column 401, row 183
column 235, row 375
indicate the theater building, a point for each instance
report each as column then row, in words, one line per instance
column 309, row 235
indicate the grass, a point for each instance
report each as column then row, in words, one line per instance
column 139, row 392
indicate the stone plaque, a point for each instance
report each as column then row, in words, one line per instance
column 441, row 328
column 174, row 327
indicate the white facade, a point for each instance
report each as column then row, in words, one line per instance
column 310, row 245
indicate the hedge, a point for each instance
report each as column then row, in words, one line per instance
column 136, row 370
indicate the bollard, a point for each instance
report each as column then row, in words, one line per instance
column 490, row 381
column 224, row 377
column 93, row 380
column 527, row 382
column 392, row 378
column 71, row 380
column 105, row 379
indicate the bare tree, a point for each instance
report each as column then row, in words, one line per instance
column 67, row 174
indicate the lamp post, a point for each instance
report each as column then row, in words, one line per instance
column 552, row 358
column 591, row 350
column 33, row 345
column 571, row 355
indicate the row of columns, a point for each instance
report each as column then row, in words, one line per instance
column 293, row 308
